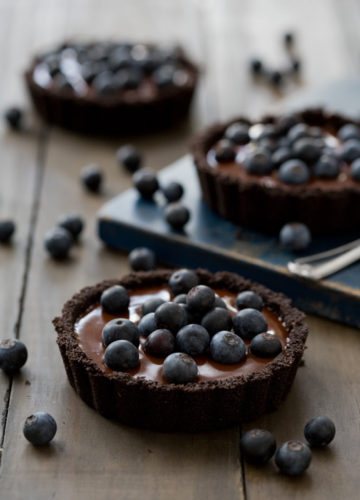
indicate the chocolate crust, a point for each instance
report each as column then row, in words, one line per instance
column 198, row 406
column 113, row 115
column 247, row 202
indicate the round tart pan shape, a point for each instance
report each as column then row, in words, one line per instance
column 120, row 113
column 198, row 406
column 249, row 202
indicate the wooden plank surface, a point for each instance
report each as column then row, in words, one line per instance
column 91, row 457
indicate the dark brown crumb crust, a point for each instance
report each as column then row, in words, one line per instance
column 248, row 203
column 193, row 407
column 112, row 116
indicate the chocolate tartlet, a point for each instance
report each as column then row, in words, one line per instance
column 243, row 176
column 112, row 88
column 222, row 394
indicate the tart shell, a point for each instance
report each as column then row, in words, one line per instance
column 198, row 406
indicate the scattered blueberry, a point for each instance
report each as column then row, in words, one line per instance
column 258, row 162
column 319, row 431
column 237, row 133
column 298, row 131
column 192, row 339
column 127, row 78
column 227, row 348
column 180, row 368
column 150, row 305
column 249, row 322
column 7, row 229
column 294, row 172
column 307, row 149
column 216, row 320
column 147, row 324
column 58, row 242
column 13, row 355
column 177, row 215
column 170, row 316
column 142, row 259
column 265, row 345
column 173, row 191
column 39, row 428
column 258, row 446
column 219, row 302
column 145, row 181
column 247, row 299
column 13, row 117
column 355, row 169
column 121, row 355
column 293, row 458
column 164, row 75
column 224, row 151
column 349, row 131
column 73, row 223
column 91, row 177
column 160, row 343
column 327, row 167
column 281, row 155
column 200, row 299
column 120, row 329
column 256, row 66
column 115, row 300
column 295, row 236
column 182, row 281
column 180, row 299
column 129, row 157
column 350, row 150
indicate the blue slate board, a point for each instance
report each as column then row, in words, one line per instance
column 128, row 221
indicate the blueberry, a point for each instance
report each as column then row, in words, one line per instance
column 120, row 329
column 177, row 215
column 150, row 305
column 142, row 259
column 258, row 446
column 119, row 58
column 216, row 320
column 281, row 155
column 173, row 191
column 256, row 66
column 145, row 181
column 180, row 299
column 127, row 78
column 355, row 169
column 115, row 300
column 295, row 236
column 298, row 131
column 219, row 302
column 90, row 69
column 91, row 177
column 121, row 355
column 39, row 428
column 182, row 281
column 276, row 77
column 227, row 348
column 238, row 133
column 200, row 299
column 160, row 343
column 293, row 458
column 13, row 355
column 180, row 368
column 13, row 117
column 7, row 229
column 147, row 324
column 164, row 75
column 307, row 149
column 58, row 242
column 192, row 339
column 73, row 223
column 258, row 162
column 265, row 345
column 249, row 322
column 285, row 122
column 247, row 299
column 170, row 316
column 224, row 151
column 294, row 172
column 129, row 157
column 350, row 150
column 319, row 431
column 349, row 131
column 327, row 167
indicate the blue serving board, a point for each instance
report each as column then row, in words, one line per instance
column 209, row 241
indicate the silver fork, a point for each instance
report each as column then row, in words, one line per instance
column 335, row 260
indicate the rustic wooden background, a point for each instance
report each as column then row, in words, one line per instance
column 92, row 458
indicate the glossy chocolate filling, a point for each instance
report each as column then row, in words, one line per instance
column 89, row 329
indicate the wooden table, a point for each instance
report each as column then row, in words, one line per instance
column 92, row 458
